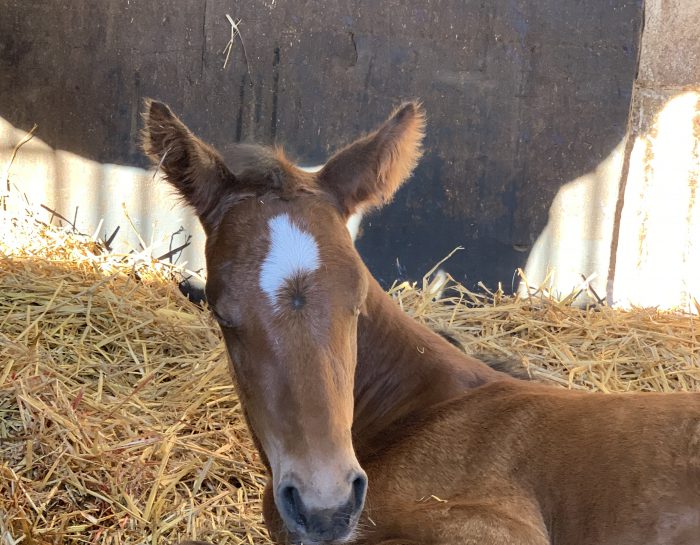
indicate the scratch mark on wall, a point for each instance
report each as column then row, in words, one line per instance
column 204, row 41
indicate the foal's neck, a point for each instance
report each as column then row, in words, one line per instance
column 403, row 370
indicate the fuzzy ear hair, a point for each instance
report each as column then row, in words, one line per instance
column 192, row 167
column 368, row 172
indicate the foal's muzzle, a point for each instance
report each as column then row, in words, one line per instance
column 321, row 524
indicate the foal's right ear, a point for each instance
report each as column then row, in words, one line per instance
column 193, row 168
column 368, row 172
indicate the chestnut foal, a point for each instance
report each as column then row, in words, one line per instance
column 340, row 388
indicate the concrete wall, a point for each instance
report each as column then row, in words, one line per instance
column 523, row 97
column 656, row 252
column 631, row 226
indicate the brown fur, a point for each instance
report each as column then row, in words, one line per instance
column 455, row 452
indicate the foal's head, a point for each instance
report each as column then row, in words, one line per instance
column 286, row 285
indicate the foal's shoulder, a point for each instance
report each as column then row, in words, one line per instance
column 498, row 401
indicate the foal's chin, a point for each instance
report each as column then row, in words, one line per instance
column 281, row 534
column 297, row 538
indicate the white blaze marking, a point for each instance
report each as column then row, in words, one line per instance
column 291, row 252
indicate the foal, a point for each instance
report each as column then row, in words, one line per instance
column 375, row 429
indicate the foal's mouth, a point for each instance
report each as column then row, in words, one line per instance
column 342, row 531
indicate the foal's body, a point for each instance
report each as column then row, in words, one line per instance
column 341, row 389
column 522, row 465
column 456, row 452
column 514, row 464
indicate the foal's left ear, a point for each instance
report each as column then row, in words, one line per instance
column 193, row 168
column 368, row 172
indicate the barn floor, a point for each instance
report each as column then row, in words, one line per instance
column 119, row 423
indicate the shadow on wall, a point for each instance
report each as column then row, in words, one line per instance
column 130, row 208
column 522, row 97
column 636, row 246
column 643, row 249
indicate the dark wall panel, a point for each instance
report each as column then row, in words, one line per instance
column 522, row 97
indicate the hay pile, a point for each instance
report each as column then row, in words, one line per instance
column 598, row 348
column 118, row 420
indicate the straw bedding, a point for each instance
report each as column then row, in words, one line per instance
column 119, row 423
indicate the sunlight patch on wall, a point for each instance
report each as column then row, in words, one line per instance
column 575, row 244
column 658, row 257
column 97, row 197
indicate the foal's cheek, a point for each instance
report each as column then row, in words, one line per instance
column 238, row 352
column 234, row 355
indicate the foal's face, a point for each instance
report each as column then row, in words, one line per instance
column 286, row 285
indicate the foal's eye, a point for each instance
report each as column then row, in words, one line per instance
column 223, row 322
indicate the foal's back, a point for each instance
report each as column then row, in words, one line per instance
column 520, row 463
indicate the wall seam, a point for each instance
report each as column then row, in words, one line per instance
column 630, row 138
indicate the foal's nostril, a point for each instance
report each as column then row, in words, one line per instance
column 359, row 489
column 291, row 503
